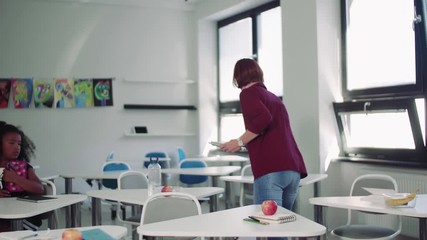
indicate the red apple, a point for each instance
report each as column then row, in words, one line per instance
column 167, row 188
column 269, row 207
column 72, row 234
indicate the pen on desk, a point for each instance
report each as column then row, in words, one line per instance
column 28, row 236
column 254, row 220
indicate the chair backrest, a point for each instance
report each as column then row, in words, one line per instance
column 132, row 180
column 49, row 187
column 168, row 206
column 181, row 154
column 246, row 170
column 357, row 189
column 113, row 166
column 156, row 154
column 192, row 179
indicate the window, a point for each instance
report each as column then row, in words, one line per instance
column 257, row 34
column 384, row 77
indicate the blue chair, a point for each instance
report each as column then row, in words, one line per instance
column 158, row 154
column 112, row 183
column 192, row 179
column 181, row 154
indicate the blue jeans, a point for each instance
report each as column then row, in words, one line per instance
column 282, row 187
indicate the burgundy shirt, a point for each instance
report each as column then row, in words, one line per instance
column 275, row 148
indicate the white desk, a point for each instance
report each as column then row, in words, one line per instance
column 117, row 232
column 229, row 223
column 16, row 210
column 222, row 159
column 213, row 172
column 373, row 205
column 139, row 196
column 312, row 178
column 98, row 175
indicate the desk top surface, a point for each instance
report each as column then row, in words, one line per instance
column 374, row 203
column 229, row 223
column 311, row 178
column 221, row 158
column 207, row 171
column 116, row 232
column 10, row 208
column 139, row 196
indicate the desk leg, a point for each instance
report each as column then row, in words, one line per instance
column 319, row 218
column 17, row 224
column 68, row 211
column 228, row 203
column 213, row 206
column 423, row 228
column 96, row 211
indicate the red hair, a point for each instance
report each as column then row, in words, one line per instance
column 247, row 71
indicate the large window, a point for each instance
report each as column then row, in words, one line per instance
column 382, row 117
column 252, row 34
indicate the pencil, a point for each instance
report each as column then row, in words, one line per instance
column 255, row 221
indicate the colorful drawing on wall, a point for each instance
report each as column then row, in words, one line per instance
column 103, row 92
column 83, row 91
column 22, row 92
column 4, row 92
column 64, row 93
column 43, row 93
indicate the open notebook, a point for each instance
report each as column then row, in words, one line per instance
column 276, row 218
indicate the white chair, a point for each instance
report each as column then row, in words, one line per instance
column 246, row 190
column 168, row 206
column 50, row 189
column 131, row 180
column 367, row 225
column 112, row 183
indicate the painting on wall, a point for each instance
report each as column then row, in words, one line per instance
column 43, row 93
column 83, row 93
column 22, row 92
column 64, row 93
column 103, row 92
column 4, row 92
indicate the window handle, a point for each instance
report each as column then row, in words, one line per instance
column 417, row 18
column 365, row 107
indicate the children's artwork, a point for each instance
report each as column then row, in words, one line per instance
column 43, row 93
column 22, row 92
column 103, row 92
column 4, row 92
column 64, row 93
column 83, row 91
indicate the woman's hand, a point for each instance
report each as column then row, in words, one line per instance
column 230, row 146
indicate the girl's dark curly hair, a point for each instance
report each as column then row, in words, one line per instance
column 27, row 146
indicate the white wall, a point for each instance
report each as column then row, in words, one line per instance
column 135, row 42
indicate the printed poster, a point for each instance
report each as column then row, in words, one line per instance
column 64, row 93
column 103, row 92
column 43, row 93
column 4, row 92
column 83, row 91
column 22, row 92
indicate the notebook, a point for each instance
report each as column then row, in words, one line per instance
column 35, row 198
column 276, row 218
column 96, row 234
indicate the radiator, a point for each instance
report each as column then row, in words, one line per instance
column 407, row 182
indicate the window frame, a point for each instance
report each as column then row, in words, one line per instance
column 229, row 107
column 390, row 97
column 416, row 89
column 233, row 107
